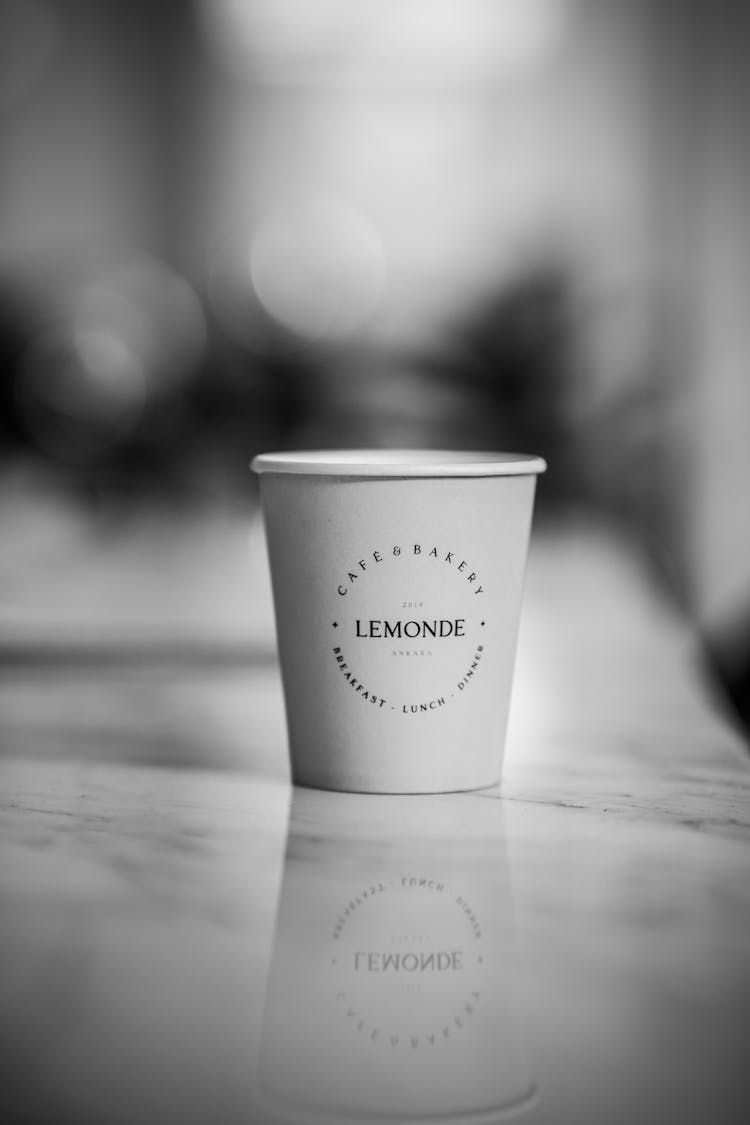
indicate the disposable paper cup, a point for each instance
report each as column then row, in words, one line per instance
column 397, row 580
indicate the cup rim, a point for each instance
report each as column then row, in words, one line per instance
column 398, row 463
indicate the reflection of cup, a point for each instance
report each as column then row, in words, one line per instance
column 390, row 993
column 397, row 587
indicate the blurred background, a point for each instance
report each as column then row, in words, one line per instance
column 236, row 225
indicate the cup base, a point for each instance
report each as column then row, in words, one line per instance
column 394, row 790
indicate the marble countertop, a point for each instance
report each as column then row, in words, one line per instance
column 186, row 938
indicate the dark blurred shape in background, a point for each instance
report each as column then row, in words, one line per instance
column 230, row 225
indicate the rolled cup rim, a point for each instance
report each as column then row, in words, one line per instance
column 389, row 463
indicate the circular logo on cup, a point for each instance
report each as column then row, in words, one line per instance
column 408, row 626
column 407, row 964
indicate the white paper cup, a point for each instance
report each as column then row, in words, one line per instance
column 397, row 580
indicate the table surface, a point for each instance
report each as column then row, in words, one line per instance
column 186, row 938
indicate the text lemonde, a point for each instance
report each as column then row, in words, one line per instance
column 439, row 961
column 412, row 629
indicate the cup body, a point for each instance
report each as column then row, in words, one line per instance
column 397, row 585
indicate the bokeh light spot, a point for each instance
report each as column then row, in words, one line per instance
column 318, row 269
column 79, row 395
column 152, row 309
